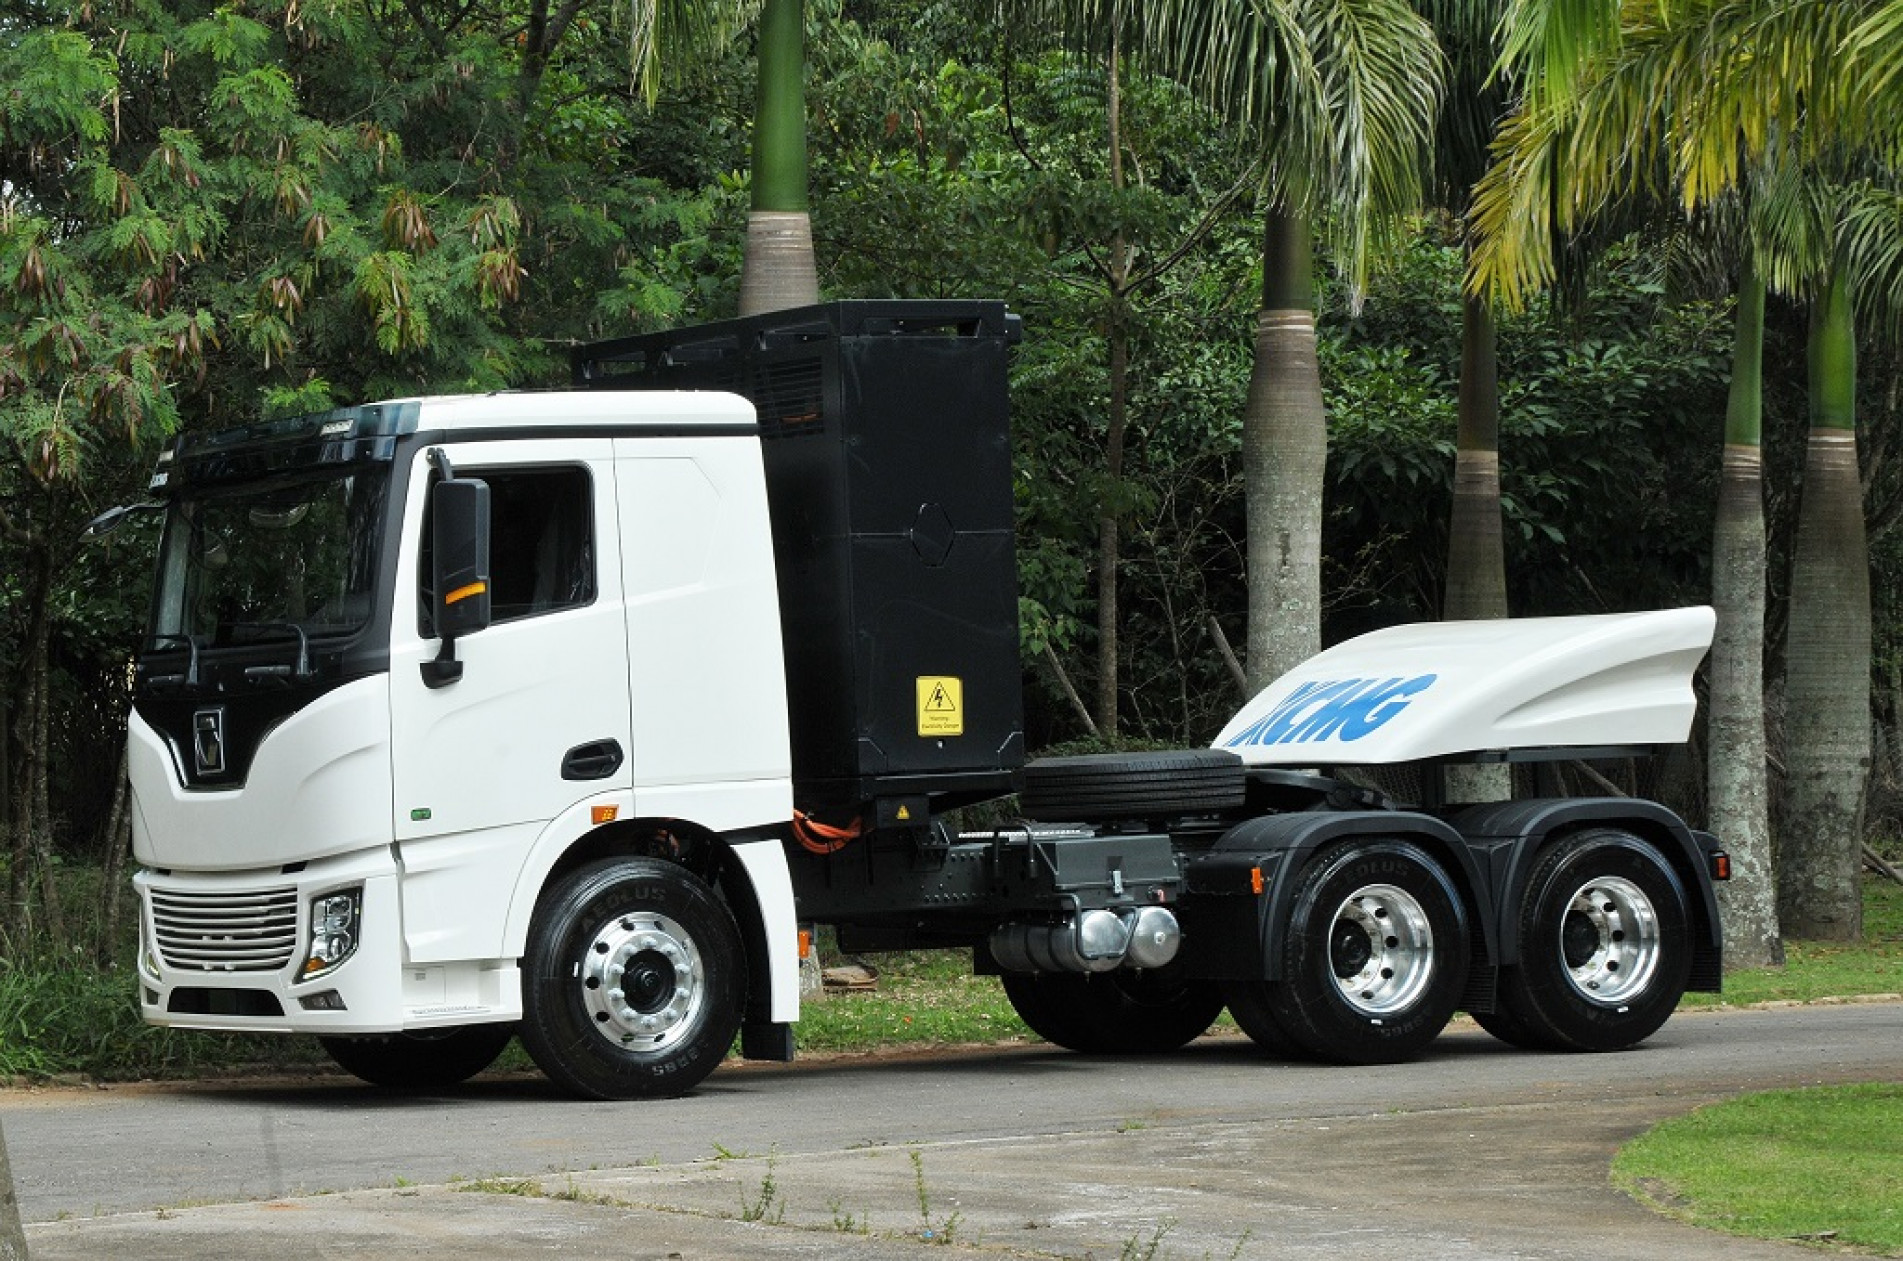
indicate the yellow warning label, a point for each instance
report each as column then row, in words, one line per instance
column 941, row 705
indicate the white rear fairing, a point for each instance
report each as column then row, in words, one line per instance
column 1440, row 689
column 319, row 785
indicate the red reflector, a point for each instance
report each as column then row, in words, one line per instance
column 1721, row 866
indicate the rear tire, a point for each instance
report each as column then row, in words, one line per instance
column 428, row 1059
column 1512, row 1029
column 634, row 981
column 1114, row 1013
column 1375, row 957
column 1605, row 945
column 1249, row 1004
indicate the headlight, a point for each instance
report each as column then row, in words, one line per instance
column 335, row 927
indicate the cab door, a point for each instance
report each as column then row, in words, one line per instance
column 538, row 722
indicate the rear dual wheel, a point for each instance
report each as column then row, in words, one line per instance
column 1605, row 947
column 1374, row 959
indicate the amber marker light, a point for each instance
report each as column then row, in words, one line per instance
column 603, row 814
column 1256, row 883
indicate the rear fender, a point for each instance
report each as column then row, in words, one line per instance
column 1511, row 834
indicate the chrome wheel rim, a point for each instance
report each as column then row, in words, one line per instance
column 642, row 982
column 1609, row 941
column 1381, row 949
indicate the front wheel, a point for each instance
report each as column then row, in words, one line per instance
column 634, row 982
column 429, row 1059
column 1605, row 945
column 1114, row 1013
column 1374, row 959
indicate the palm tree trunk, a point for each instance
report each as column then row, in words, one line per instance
column 1827, row 670
column 1476, row 553
column 778, row 270
column 1284, row 459
column 1736, row 767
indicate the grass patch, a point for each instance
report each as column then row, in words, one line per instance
column 1817, row 969
column 71, row 1018
column 923, row 996
column 1820, row 1165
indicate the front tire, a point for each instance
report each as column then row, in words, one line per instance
column 1375, row 957
column 429, row 1059
column 1605, row 945
column 634, row 982
column 1114, row 1013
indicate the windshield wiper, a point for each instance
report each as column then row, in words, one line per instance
column 300, row 671
column 187, row 679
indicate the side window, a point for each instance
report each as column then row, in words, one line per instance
column 541, row 541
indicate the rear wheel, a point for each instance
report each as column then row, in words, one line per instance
column 1375, row 956
column 1114, row 1013
column 1605, row 945
column 428, row 1059
column 1508, row 1026
column 633, row 984
column 1249, row 1004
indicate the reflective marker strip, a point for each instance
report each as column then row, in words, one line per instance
column 463, row 593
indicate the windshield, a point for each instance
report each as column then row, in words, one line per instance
column 293, row 559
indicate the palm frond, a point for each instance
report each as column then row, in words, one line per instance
column 1545, row 43
column 669, row 40
column 1870, row 240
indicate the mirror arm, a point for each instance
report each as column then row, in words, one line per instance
column 443, row 669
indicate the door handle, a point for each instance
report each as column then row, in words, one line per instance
column 598, row 759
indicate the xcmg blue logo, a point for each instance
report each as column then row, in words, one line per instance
column 1346, row 708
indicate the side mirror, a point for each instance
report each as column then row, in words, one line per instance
column 112, row 518
column 459, row 570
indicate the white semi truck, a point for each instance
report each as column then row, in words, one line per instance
column 565, row 714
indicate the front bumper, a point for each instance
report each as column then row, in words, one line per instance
column 244, row 974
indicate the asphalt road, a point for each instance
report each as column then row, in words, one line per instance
column 1474, row 1151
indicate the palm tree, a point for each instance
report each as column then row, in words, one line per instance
column 778, row 270
column 671, row 39
column 1697, row 100
column 1476, row 549
column 1338, row 97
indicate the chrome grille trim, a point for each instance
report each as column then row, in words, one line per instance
column 253, row 930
